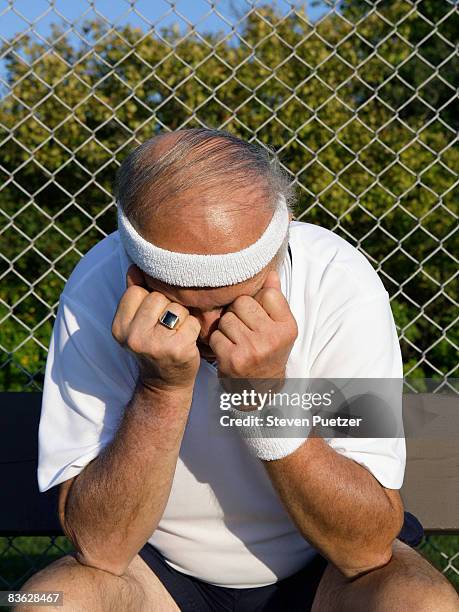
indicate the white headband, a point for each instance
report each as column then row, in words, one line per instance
column 190, row 270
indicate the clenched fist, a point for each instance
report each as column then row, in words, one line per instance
column 256, row 334
column 168, row 358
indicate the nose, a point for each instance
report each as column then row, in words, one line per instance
column 209, row 323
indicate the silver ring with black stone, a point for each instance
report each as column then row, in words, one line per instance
column 169, row 319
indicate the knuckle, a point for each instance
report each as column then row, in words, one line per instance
column 238, row 363
column 191, row 319
column 293, row 329
column 116, row 331
column 134, row 343
column 181, row 353
column 235, row 366
column 228, row 319
column 157, row 298
column 177, row 354
column 157, row 295
column 271, row 294
column 243, row 301
column 135, row 291
column 193, row 323
column 253, row 307
column 181, row 310
column 257, row 354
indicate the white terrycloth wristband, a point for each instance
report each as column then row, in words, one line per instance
column 193, row 270
column 261, row 443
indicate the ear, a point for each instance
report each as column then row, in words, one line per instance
column 272, row 281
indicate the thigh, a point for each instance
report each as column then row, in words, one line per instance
column 154, row 595
column 407, row 583
column 87, row 588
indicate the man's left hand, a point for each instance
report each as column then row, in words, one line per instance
column 256, row 334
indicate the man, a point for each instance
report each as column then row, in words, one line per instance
column 208, row 277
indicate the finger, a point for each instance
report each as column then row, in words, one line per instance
column 219, row 343
column 233, row 328
column 250, row 312
column 272, row 280
column 148, row 313
column 134, row 276
column 127, row 307
column 189, row 330
column 271, row 298
column 274, row 303
column 177, row 309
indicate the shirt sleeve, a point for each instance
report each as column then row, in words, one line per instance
column 359, row 341
column 89, row 379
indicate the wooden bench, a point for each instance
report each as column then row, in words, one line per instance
column 430, row 492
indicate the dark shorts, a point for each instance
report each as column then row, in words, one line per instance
column 294, row 593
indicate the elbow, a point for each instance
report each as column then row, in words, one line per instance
column 101, row 554
column 111, row 566
column 90, row 558
column 87, row 558
column 398, row 511
column 393, row 519
column 371, row 561
column 368, row 558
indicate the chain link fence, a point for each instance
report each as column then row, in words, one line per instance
column 358, row 98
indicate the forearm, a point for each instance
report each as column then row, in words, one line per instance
column 115, row 504
column 339, row 507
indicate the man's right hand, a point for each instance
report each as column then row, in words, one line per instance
column 168, row 358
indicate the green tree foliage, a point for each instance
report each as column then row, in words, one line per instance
column 357, row 107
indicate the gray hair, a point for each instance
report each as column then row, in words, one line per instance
column 214, row 160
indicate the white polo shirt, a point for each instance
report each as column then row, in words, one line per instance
column 224, row 522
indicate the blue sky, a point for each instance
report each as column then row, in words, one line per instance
column 13, row 22
column 118, row 11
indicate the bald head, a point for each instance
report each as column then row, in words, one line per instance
column 200, row 191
